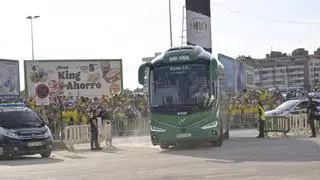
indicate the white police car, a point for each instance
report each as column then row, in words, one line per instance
column 23, row 132
column 292, row 107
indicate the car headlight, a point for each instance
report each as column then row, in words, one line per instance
column 157, row 129
column 8, row 133
column 48, row 133
column 210, row 125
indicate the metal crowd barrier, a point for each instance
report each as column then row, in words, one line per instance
column 240, row 121
column 294, row 125
column 277, row 124
column 80, row 134
column 130, row 127
column 299, row 124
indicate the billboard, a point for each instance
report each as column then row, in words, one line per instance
column 250, row 76
column 9, row 77
column 88, row 78
column 239, row 69
column 239, row 75
column 198, row 15
column 228, row 70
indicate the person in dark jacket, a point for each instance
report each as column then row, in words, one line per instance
column 311, row 115
column 93, row 121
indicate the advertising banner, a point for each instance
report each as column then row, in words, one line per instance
column 9, row 78
column 87, row 78
column 240, row 76
column 198, row 17
column 249, row 73
column 228, row 70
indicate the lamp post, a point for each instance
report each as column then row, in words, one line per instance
column 31, row 19
column 170, row 23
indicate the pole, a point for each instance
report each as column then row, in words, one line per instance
column 314, row 76
column 170, row 23
column 32, row 49
column 182, row 38
column 31, row 24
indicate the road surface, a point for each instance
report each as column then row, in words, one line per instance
column 241, row 157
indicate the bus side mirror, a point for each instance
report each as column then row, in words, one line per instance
column 142, row 72
column 215, row 68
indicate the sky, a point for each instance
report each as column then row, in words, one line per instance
column 131, row 30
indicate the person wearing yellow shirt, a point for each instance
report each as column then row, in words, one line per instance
column 74, row 115
column 252, row 112
column 66, row 117
column 255, row 108
column 262, row 119
column 263, row 97
column 238, row 113
column 233, row 113
column 32, row 104
column 84, row 119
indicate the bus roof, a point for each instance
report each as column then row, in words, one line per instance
column 192, row 52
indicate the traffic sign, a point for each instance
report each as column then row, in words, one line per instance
column 42, row 91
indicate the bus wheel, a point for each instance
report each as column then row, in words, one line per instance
column 164, row 146
column 219, row 141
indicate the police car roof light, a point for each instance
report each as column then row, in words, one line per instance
column 12, row 105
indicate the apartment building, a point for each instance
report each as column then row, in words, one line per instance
column 279, row 69
column 314, row 69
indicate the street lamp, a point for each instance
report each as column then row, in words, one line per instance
column 31, row 18
column 170, row 23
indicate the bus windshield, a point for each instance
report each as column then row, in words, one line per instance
column 179, row 85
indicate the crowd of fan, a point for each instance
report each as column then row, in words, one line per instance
column 69, row 110
column 128, row 105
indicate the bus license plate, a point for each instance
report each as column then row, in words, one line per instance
column 183, row 135
column 33, row 144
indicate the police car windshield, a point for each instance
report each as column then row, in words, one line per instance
column 287, row 105
column 20, row 119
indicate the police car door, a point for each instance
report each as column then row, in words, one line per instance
column 300, row 108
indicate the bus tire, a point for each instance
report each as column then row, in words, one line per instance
column 164, row 146
column 219, row 141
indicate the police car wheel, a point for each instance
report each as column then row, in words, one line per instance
column 46, row 154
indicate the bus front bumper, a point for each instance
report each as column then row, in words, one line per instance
column 187, row 137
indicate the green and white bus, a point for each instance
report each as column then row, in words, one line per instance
column 188, row 98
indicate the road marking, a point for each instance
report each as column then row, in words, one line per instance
column 221, row 160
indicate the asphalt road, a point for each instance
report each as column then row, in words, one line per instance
column 241, row 157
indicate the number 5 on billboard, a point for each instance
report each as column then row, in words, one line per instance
column 91, row 67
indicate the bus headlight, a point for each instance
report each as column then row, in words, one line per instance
column 157, row 129
column 210, row 125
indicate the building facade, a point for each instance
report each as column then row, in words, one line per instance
column 277, row 69
column 314, row 70
column 297, row 70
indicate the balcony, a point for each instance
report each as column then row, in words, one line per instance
column 296, row 78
